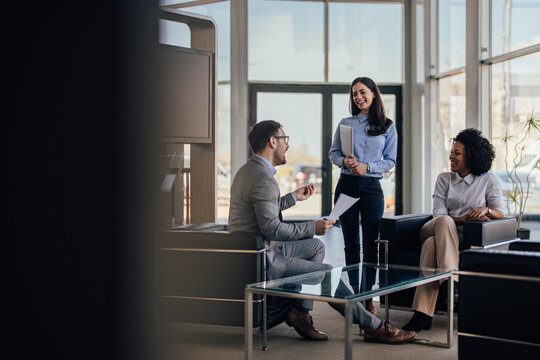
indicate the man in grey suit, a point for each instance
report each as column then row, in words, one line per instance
column 256, row 206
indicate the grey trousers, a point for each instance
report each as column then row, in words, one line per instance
column 304, row 256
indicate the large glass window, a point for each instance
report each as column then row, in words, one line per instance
column 174, row 33
column 221, row 13
column 514, row 24
column 451, row 118
column 365, row 40
column 223, row 151
column 515, row 97
column 301, row 117
column 286, row 41
column 451, row 34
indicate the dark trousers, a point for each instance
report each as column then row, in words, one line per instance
column 370, row 208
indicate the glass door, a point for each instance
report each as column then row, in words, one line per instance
column 309, row 115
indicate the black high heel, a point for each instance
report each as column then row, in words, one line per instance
column 418, row 322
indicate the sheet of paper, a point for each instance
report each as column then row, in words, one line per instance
column 342, row 204
column 347, row 139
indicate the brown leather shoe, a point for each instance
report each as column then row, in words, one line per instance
column 370, row 306
column 303, row 324
column 389, row 334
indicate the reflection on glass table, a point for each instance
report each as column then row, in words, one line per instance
column 325, row 283
column 346, row 285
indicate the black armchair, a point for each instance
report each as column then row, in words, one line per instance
column 525, row 245
column 402, row 233
column 202, row 271
column 498, row 306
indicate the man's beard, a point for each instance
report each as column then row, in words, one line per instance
column 280, row 160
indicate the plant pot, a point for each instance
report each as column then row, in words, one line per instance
column 523, row 233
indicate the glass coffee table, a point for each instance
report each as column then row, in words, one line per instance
column 323, row 285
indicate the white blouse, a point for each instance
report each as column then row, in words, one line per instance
column 456, row 196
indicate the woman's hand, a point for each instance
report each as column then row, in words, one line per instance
column 355, row 167
column 349, row 162
column 359, row 169
column 478, row 214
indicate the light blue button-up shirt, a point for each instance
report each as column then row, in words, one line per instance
column 271, row 167
column 380, row 152
column 273, row 170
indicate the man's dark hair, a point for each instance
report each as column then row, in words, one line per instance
column 260, row 133
column 479, row 151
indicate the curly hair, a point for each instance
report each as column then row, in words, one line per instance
column 478, row 150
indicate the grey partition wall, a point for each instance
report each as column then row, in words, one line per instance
column 188, row 110
column 186, row 94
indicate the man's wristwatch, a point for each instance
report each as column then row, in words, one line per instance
column 367, row 167
column 489, row 212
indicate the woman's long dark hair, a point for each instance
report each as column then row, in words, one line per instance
column 377, row 120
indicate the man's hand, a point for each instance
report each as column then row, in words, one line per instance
column 322, row 226
column 304, row 192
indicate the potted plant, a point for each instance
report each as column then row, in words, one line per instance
column 518, row 174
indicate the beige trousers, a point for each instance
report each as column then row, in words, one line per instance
column 440, row 249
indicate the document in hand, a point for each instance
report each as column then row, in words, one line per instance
column 347, row 139
column 343, row 203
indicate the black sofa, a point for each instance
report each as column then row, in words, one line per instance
column 402, row 233
column 202, row 271
column 498, row 317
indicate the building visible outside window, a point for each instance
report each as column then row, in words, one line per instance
column 515, row 90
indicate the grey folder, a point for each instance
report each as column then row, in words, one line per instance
column 347, row 139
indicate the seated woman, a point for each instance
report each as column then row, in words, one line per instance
column 467, row 193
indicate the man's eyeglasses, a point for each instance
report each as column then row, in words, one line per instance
column 283, row 137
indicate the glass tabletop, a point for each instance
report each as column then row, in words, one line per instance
column 354, row 281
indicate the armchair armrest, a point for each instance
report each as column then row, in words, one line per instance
column 217, row 240
column 489, row 234
column 202, row 271
column 402, row 233
column 201, row 227
column 525, row 245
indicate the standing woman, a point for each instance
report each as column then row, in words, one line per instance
column 375, row 150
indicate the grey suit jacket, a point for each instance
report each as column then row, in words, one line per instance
column 255, row 207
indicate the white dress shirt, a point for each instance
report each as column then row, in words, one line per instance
column 456, row 196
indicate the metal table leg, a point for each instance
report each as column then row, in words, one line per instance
column 386, row 308
column 248, row 325
column 384, row 267
column 265, row 305
column 450, row 311
column 450, row 316
column 348, row 332
column 264, row 329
